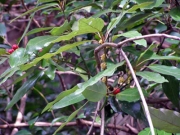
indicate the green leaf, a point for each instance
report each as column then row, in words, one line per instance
column 134, row 109
column 114, row 22
column 166, row 120
column 8, row 73
column 77, row 95
column 18, row 57
column 131, row 34
column 38, row 43
column 75, row 98
column 59, row 97
column 151, row 76
column 166, row 70
column 49, row 55
column 114, row 104
column 171, row 89
column 130, row 95
column 23, row 132
column 145, row 55
column 24, row 89
column 175, row 13
column 2, row 60
column 90, row 25
column 2, row 51
column 156, row 3
column 38, row 30
column 35, row 10
column 95, row 92
column 50, row 71
column 147, row 131
column 57, row 31
column 141, row 5
column 134, row 20
column 69, row 118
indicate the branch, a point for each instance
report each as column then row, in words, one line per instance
column 57, row 124
column 96, row 51
column 147, row 36
column 102, row 120
column 140, row 92
column 95, row 115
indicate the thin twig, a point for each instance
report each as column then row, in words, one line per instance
column 62, row 82
column 87, row 69
column 95, row 115
column 102, row 119
column 140, row 92
column 34, row 20
column 57, row 124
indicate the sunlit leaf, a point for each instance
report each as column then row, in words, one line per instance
column 131, row 34
column 18, row 57
column 130, row 95
column 95, row 92
column 166, row 70
column 151, row 76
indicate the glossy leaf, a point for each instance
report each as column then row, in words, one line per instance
column 156, row 3
column 57, row 31
column 175, row 13
column 8, row 73
column 18, row 57
column 69, row 118
column 171, row 89
column 114, row 22
column 114, row 104
column 95, row 92
column 24, row 89
column 134, row 109
column 166, row 70
column 77, row 95
column 147, row 55
column 141, row 5
column 133, row 21
column 147, row 131
column 37, row 30
column 166, row 120
column 151, row 76
column 59, row 97
column 131, row 34
column 75, row 98
column 38, row 43
column 130, row 95
column 90, row 25
column 49, row 55
column 50, row 72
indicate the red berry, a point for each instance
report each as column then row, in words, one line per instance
column 10, row 51
column 116, row 91
column 40, row 50
column 15, row 47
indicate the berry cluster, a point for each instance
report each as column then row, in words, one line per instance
column 14, row 47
